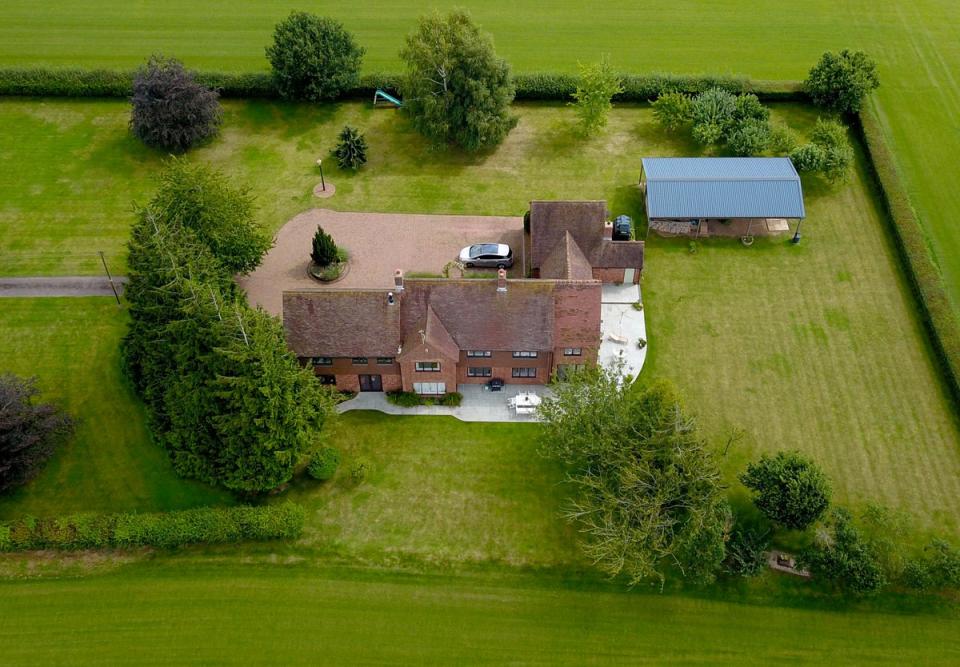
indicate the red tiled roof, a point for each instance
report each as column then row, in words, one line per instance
column 566, row 261
column 331, row 322
column 478, row 317
column 552, row 221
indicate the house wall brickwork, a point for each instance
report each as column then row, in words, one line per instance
column 502, row 363
column 608, row 275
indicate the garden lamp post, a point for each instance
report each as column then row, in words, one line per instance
column 796, row 234
column 323, row 184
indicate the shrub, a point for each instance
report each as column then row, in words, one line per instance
column 457, row 90
column 351, row 150
column 205, row 525
column 808, row 158
column 750, row 137
column 937, row 568
column 841, row 555
column 324, row 463
column 29, row 430
column 452, row 399
column 746, row 551
column 405, row 399
column 359, row 470
column 713, row 114
column 831, row 136
column 597, row 86
column 170, row 110
column 788, row 488
column 323, row 249
column 672, row 110
column 841, row 81
column 313, row 58
column 783, row 140
column 748, row 108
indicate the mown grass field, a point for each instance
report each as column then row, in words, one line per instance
column 110, row 465
column 242, row 614
column 916, row 43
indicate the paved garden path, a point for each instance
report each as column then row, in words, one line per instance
column 34, row 286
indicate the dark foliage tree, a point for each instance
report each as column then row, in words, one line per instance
column 788, row 488
column 313, row 58
column 170, row 110
column 841, row 81
column 647, row 489
column 351, row 151
column 29, row 430
column 323, row 248
column 198, row 198
column 225, row 396
column 456, row 91
column 843, row 557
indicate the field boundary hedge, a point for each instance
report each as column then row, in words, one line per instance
column 923, row 274
column 50, row 82
column 204, row 525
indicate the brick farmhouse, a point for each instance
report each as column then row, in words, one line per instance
column 430, row 335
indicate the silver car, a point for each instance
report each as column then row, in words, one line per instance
column 493, row 255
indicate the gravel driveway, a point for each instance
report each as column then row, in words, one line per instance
column 378, row 243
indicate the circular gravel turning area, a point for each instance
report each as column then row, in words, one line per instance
column 377, row 244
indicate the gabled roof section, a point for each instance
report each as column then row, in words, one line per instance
column 438, row 336
column 331, row 322
column 550, row 221
column 478, row 317
column 722, row 188
column 566, row 261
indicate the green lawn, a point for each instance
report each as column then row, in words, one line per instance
column 71, row 345
column 813, row 347
column 916, row 42
column 230, row 613
column 442, row 492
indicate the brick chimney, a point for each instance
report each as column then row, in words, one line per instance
column 608, row 230
column 398, row 280
column 501, row 280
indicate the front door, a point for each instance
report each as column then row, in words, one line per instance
column 628, row 275
column 371, row 383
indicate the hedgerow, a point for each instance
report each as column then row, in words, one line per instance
column 922, row 272
column 76, row 82
column 204, row 525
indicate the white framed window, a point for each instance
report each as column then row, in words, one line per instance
column 572, row 351
column 427, row 366
column 479, row 371
column 479, row 353
column 386, row 361
column 360, row 361
column 525, row 354
column 430, row 388
column 524, row 372
column 322, row 361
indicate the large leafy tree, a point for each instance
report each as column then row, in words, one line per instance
column 313, row 58
column 788, row 488
column 170, row 110
column 597, row 85
column 647, row 493
column 200, row 199
column 456, row 90
column 841, row 81
column 29, row 430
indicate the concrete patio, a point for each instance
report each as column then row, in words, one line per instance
column 479, row 404
column 621, row 327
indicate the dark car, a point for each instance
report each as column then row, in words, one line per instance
column 493, row 255
column 622, row 227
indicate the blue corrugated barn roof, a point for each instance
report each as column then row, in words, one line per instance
column 722, row 187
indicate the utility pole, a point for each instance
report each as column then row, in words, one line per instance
column 116, row 295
